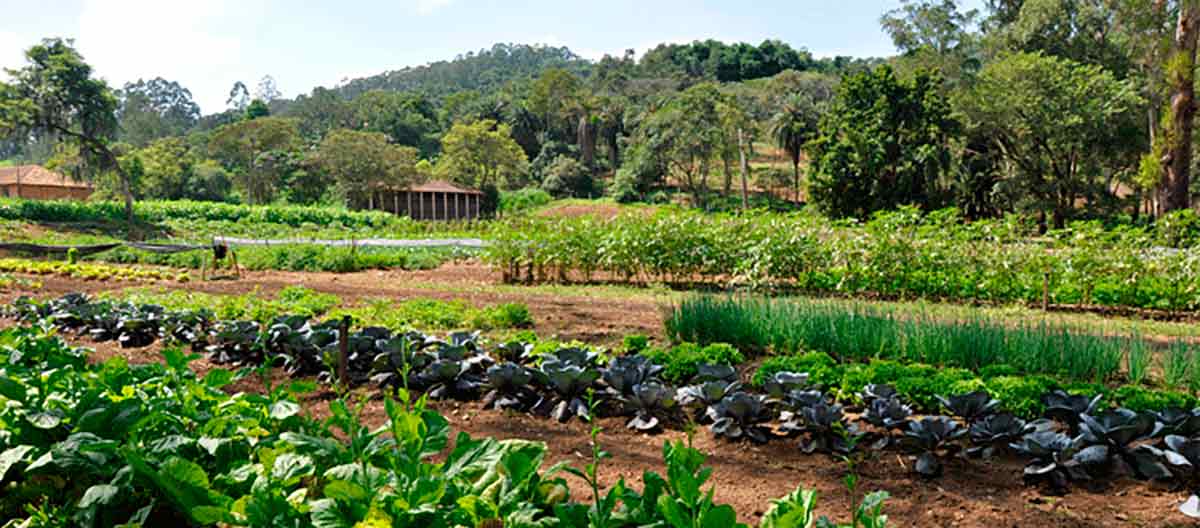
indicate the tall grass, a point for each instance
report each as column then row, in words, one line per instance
column 860, row 332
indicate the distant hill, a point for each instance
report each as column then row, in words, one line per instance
column 484, row 70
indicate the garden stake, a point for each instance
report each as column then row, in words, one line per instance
column 344, row 352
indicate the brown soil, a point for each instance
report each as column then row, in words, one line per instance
column 972, row 494
column 567, row 317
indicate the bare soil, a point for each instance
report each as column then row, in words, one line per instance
column 971, row 494
column 567, row 317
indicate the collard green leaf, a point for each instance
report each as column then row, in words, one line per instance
column 11, row 457
column 44, row 419
column 283, row 409
column 98, row 495
column 11, row 388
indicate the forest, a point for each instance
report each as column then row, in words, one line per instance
column 1057, row 109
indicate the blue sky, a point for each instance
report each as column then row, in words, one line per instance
column 207, row 45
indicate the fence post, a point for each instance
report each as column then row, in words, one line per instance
column 1046, row 290
column 344, row 353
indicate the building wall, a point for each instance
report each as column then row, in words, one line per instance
column 45, row 192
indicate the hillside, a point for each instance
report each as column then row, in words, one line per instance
column 484, row 70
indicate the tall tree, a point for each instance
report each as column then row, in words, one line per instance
column 155, row 109
column 56, row 95
column 407, row 118
column 687, row 133
column 1060, row 126
column 363, row 163
column 884, row 142
column 481, row 155
column 258, row 152
column 1181, row 72
column 794, row 125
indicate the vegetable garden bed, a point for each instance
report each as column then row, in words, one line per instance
column 1079, row 439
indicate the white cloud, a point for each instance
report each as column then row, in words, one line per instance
column 190, row 42
column 12, row 52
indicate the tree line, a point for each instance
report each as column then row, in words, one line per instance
column 1055, row 108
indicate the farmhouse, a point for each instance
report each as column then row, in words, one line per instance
column 37, row 183
column 434, row 200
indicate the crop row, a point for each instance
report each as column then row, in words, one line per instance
column 96, row 445
column 1076, row 439
column 860, row 331
column 897, row 254
column 88, row 270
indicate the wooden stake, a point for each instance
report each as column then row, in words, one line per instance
column 344, row 353
column 1046, row 290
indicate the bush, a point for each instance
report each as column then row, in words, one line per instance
column 624, row 187
column 681, row 362
column 507, row 315
column 523, row 199
column 566, row 177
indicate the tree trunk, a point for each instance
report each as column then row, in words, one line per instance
column 614, row 152
column 586, row 137
column 728, row 176
column 128, row 195
column 1174, row 193
column 796, row 176
column 745, row 163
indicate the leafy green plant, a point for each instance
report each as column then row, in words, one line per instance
column 682, row 361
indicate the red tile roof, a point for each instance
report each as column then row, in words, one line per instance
column 37, row 175
column 441, row 186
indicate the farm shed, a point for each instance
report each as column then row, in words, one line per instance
column 435, row 200
column 37, row 183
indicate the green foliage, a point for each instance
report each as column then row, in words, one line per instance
column 1140, row 399
column 523, row 200
column 681, row 361
column 565, row 177
column 481, row 154
column 822, row 369
column 1020, row 395
column 635, row 343
column 361, row 163
column 902, row 254
column 861, row 332
column 259, row 153
column 883, row 143
column 1037, row 108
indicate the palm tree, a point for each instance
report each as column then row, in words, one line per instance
column 792, row 127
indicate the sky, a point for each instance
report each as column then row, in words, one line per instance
column 208, row 45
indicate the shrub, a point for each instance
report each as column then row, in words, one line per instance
column 523, row 199
column 566, row 177
column 508, row 315
column 682, row 361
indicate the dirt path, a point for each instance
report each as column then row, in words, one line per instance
column 592, row 319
